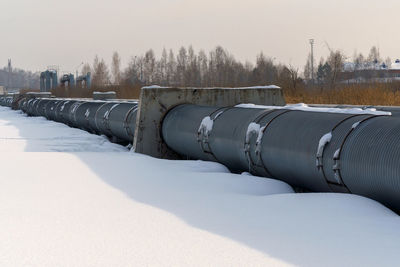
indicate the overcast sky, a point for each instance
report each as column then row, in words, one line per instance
column 35, row 34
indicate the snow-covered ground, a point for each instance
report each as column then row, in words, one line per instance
column 94, row 203
column 37, row 134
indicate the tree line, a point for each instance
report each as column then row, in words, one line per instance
column 188, row 68
column 217, row 68
column 18, row 78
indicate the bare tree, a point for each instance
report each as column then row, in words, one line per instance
column 170, row 69
column 374, row 55
column 192, row 71
column 132, row 72
column 163, row 67
column 293, row 75
column 388, row 62
column 265, row 71
column 101, row 74
column 85, row 69
column 335, row 61
column 149, row 67
column 359, row 61
column 203, row 68
column 116, row 68
column 181, row 66
column 220, row 56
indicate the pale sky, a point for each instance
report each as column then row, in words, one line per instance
column 38, row 33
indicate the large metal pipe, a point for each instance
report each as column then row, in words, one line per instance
column 115, row 119
column 82, row 112
column 319, row 151
column 323, row 152
column 6, row 101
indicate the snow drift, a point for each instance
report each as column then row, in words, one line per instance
column 110, row 207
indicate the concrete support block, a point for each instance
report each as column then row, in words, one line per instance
column 104, row 95
column 156, row 101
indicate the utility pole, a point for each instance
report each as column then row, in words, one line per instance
column 9, row 70
column 312, row 59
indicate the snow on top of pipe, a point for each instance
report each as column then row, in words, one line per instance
column 63, row 105
column 255, row 128
column 218, row 114
column 325, row 139
column 206, row 125
column 355, row 125
column 260, row 134
column 259, row 87
column 304, row 107
column 337, row 153
column 252, row 128
column 103, row 93
column 153, row 87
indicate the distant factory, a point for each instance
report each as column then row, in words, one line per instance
column 370, row 71
column 49, row 80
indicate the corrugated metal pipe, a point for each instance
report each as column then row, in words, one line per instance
column 6, row 101
column 115, row 119
column 319, row 151
column 349, row 152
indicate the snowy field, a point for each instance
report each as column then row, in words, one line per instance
column 69, row 198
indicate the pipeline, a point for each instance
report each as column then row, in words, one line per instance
column 115, row 119
column 6, row 101
column 321, row 152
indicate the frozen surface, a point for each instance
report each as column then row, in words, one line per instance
column 109, row 208
column 304, row 107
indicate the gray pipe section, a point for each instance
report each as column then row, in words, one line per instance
column 6, row 101
column 115, row 119
column 361, row 153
